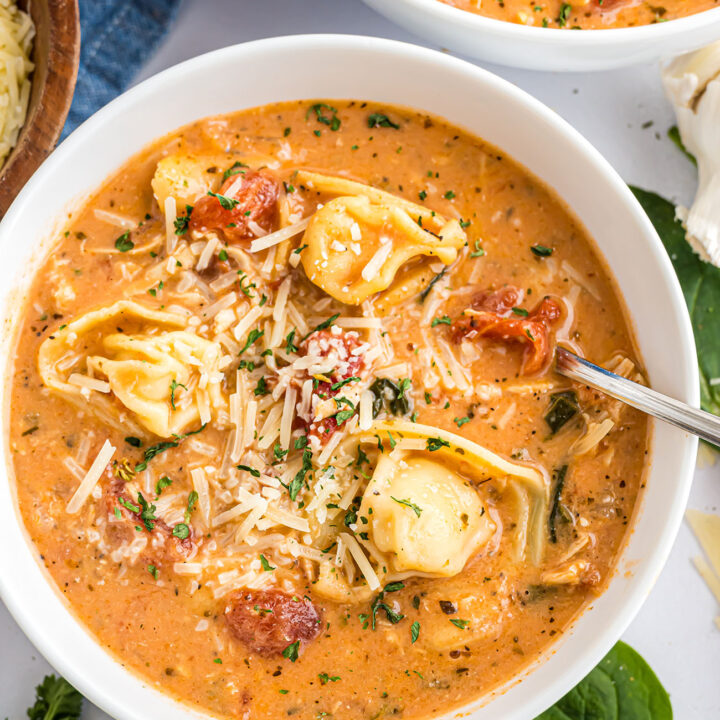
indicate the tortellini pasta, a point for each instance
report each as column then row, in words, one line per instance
column 169, row 379
column 184, row 177
column 189, row 177
column 528, row 486
column 357, row 241
column 427, row 517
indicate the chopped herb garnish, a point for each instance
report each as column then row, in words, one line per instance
column 128, row 505
column 297, row 482
column 266, row 566
column 124, row 243
column 234, row 169
column 322, row 326
column 426, row 291
column 325, row 678
column 161, row 484
column 192, row 501
column 479, row 252
column 417, row 510
column 449, row 195
column 342, row 383
column 343, row 415
column 414, row 631
column 444, row 320
column 290, row 346
column 436, row 443
column 174, row 385
column 148, row 513
column 460, row 421
column 301, row 442
column 222, row 255
column 522, row 312
column 182, row 221
column 251, row 470
column 462, row 624
column 565, row 10
column 381, row 120
column 541, row 250
column 226, row 202
column 291, row 651
column 378, row 604
column 153, row 571
column 154, row 450
column 331, row 120
column 134, row 441
column 253, row 335
column 261, row 388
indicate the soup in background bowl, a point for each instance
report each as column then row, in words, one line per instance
column 534, row 36
column 283, row 405
column 586, row 14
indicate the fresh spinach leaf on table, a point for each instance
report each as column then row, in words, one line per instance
column 700, row 282
column 621, row 687
column 55, row 699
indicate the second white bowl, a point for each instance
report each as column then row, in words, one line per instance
column 536, row 48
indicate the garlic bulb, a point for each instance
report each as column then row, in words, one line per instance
column 692, row 83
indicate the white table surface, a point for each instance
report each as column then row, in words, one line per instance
column 675, row 630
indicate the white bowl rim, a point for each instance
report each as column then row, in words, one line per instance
column 42, row 636
column 595, row 38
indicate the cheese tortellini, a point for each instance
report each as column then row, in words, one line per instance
column 169, row 379
column 358, row 241
column 189, row 177
column 185, row 178
column 427, row 517
column 430, row 466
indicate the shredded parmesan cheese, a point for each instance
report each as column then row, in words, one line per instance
column 362, row 562
column 91, row 478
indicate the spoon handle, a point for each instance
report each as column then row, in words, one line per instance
column 697, row 422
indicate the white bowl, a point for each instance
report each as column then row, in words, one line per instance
column 330, row 66
column 537, row 48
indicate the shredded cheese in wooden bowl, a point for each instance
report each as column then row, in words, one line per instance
column 16, row 37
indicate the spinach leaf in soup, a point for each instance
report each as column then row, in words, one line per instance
column 621, row 687
column 563, row 407
column 391, row 396
column 700, row 283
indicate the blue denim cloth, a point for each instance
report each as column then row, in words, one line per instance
column 118, row 36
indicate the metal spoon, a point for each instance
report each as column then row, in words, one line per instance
column 662, row 407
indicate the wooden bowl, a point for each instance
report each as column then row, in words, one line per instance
column 56, row 54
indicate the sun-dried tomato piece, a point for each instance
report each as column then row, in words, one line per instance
column 493, row 316
column 253, row 195
column 338, row 348
column 118, row 501
column 268, row 621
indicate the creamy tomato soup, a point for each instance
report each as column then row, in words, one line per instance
column 585, row 14
column 284, row 424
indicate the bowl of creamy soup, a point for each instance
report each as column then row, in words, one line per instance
column 606, row 34
column 281, row 431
